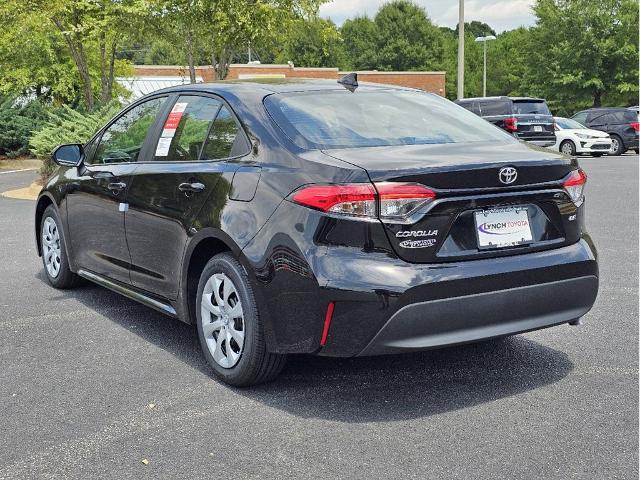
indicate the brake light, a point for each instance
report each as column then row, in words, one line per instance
column 511, row 124
column 574, row 185
column 635, row 126
column 388, row 199
column 349, row 199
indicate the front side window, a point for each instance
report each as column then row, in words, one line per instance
column 338, row 119
column 122, row 141
column 580, row 117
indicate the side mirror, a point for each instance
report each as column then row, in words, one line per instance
column 70, row 155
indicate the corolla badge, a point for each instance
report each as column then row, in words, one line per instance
column 507, row 175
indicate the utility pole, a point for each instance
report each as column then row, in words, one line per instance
column 461, row 50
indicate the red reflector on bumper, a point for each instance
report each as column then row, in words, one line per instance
column 327, row 323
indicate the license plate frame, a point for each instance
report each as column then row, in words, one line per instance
column 503, row 227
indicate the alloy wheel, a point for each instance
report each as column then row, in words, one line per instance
column 51, row 247
column 615, row 146
column 222, row 320
column 567, row 148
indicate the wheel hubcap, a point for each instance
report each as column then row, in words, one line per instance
column 222, row 320
column 614, row 145
column 566, row 148
column 51, row 246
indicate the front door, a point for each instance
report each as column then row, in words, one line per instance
column 96, row 201
column 195, row 151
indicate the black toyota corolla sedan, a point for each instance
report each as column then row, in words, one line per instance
column 320, row 218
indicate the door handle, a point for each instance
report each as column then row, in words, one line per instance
column 191, row 187
column 116, row 186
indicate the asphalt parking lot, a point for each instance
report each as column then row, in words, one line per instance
column 92, row 384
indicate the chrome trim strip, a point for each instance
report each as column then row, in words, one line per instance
column 133, row 295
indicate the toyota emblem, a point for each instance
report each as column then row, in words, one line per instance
column 507, row 175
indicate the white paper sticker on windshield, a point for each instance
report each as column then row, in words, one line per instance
column 162, row 150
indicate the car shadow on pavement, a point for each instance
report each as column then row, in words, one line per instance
column 369, row 389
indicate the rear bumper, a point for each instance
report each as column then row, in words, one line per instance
column 469, row 318
column 406, row 307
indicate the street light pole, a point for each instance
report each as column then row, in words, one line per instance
column 484, row 73
column 461, row 50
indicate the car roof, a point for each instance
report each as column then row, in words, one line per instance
column 276, row 85
column 604, row 109
column 504, row 97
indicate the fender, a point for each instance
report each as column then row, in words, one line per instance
column 62, row 213
column 182, row 305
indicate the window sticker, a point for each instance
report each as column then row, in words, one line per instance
column 162, row 149
column 173, row 120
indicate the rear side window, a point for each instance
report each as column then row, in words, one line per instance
column 186, row 129
column 342, row 119
column 530, row 107
column 623, row 116
column 224, row 139
column 497, row 107
column 122, row 141
column 470, row 106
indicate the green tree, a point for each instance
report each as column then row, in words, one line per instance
column 407, row 40
column 312, row 43
column 360, row 40
column 584, row 52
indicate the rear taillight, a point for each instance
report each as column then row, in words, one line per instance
column 349, row 199
column 635, row 126
column 511, row 124
column 574, row 185
column 389, row 200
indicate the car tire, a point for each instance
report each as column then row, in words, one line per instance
column 637, row 151
column 617, row 146
column 54, row 252
column 568, row 147
column 596, row 155
column 229, row 327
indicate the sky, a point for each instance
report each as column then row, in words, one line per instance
column 501, row 15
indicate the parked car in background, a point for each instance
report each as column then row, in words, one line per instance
column 574, row 138
column 525, row 118
column 620, row 123
column 635, row 108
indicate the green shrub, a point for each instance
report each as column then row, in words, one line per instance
column 17, row 124
column 68, row 126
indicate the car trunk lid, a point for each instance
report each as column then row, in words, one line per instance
column 467, row 180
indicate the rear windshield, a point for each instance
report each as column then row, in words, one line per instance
column 528, row 106
column 341, row 119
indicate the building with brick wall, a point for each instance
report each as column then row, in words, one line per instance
column 151, row 77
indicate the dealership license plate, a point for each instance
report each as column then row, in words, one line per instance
column 503, row 227
column 537, row 128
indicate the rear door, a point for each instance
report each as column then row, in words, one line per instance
column 535, row 122
column 193, row 159
column 95, row 202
